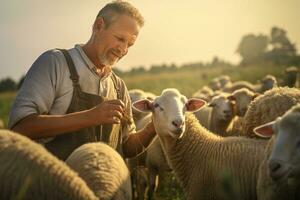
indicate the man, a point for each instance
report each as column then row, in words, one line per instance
column 71, row 97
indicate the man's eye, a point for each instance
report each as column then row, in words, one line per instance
column 119, row 38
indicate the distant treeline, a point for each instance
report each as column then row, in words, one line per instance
column 254, row 49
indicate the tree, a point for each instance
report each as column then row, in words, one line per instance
column 252, row 48
column 7, row 84
column 282, row 50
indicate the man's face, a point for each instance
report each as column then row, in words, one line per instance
column 113, row 42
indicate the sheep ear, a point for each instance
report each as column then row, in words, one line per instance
column 194, row 104
column 144, row 105
column 231, row 98
column 265, row 130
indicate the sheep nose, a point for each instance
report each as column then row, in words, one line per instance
column 275, row 169
column 178, row 123
column 244, row 110
column 228, row 112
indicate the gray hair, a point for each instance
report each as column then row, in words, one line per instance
column 112, row 10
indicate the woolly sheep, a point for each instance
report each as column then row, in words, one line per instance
column 153, row 159
column 103, row 169
column 268, row 107
column 204, row 93
column 290, row 76
column 142, row 182
column 140, row 118
column 239, row 85
column 135, row 164
column 279, row 172
column 267, row 83
column 214, row 84
column 28, row 171
column 225, row 81
column 200, row 159
column 217, row 115
column 157, row 165
column 242, row 98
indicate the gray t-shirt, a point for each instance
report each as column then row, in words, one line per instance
column 48, row 89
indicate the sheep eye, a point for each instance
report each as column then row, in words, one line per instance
column 158, row 106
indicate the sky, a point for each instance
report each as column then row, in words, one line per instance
column 175, row 31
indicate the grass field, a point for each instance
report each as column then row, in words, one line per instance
column 188, row 81
column 6, row 100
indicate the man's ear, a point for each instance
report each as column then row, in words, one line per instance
column 265, row 130
column 99, row 24
column 144, row 105
column 194, row 104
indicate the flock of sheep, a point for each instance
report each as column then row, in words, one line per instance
column 233, row 114
column 230, row 140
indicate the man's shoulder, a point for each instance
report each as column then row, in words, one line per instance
column 50, row 62
column 51, row 55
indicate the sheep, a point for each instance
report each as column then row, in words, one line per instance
column 153, row 159
column 268, row 107
column 279, row 172
column 267, row 83
column 217, row 115
column 136, row 165
column 204, row 93
column 140, row 119
column 290, row 76
column 214, row 84
column 103, row 169
column 199, row 158
column 239, row 85
column 28, row 171
column 157, row 165
column 225, row 81
column 142, row 182
column 242, row 99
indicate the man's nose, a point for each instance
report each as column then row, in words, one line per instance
column 123, row 49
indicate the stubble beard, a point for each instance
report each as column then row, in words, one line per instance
column 108, row 62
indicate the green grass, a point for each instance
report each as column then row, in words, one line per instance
column 187, row 81
column 6, row 100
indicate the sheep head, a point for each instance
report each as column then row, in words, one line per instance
column 284, row 161
column 168, row 111
column 242, row 98
column 223, row 107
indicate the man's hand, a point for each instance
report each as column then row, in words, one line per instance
column 108, row 112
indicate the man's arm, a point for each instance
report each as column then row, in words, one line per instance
column 138, row 142
column 41, row 126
